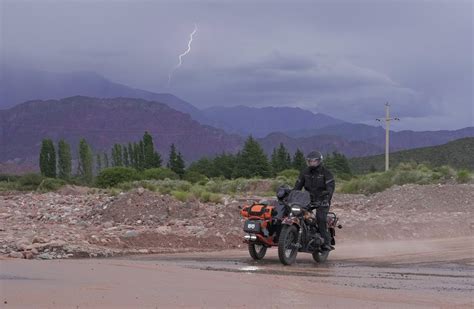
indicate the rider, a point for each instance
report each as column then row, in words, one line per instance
column 319, row 182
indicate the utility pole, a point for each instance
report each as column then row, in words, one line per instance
column 387, row 133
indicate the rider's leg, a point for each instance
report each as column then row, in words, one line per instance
column 321, row 218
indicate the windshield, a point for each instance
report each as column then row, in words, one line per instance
column 302, row 198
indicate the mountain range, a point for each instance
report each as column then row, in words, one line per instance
column 85, row 104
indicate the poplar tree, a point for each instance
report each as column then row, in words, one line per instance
column 47, row 159
column 64, row 160
column 98, row 161
column 84, row 169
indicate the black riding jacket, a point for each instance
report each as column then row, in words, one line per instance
column 318, row 181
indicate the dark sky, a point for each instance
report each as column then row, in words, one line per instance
column 342, row 58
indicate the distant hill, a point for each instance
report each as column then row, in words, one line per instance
column 260, row 122
column 20, row 85
column 458, row 154
column 104, row 122
column 299, row 127
column 323, row 143
column 400, row 140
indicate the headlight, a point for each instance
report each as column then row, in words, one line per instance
column 296, row 210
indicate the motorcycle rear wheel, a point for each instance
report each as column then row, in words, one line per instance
column 287, row 249
column 257, row 251
column 320, row 256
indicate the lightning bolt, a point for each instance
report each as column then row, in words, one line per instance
column 170, row 75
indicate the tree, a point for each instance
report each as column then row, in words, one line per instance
column 136, row 156
column 84, row 169
column 299, row 161
column 175, row 161
column 98, row 165
column 117, row 158
column 106, row 160
column 126, row 160
column 141, row 155
column 203, row 166
column 152, row 158
column 224, row 165
column 280, row 159
column 252, row 161
column 338, row 164
column 131, row 155
column 47, row 160
column 64, row 160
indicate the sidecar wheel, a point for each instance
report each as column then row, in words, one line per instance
column 257, row 251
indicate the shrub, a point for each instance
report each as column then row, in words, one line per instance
column 181, row 195
column 463, row 176
column 159, row 173
column 215, row 198
column 125, row 186
column 445, row 171
column 194, row 177
column 289, row 174
column 30, row 181
column 205, row 196
column 112, row 176
column 9, row 178
column 51, row 184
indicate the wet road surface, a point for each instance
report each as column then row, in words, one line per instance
column 414, row 274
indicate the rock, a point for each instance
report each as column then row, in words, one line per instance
column 45, row 256
column 22, row 244
column 108, row 224
column 130, row 233
column 163, row 229
column 144, row 251
column 140, row 190
column 16, row 255
column 28, row 255
column 39, row 240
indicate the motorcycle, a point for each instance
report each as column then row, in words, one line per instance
column 263, row 223
column 299, row 230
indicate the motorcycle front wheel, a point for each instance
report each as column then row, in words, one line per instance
column 320, row 256
column 287, row 249
column 257, row 251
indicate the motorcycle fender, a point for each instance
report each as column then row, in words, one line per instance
column 291, row 221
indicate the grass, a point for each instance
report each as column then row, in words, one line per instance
column 212, row 190
column 405, row 173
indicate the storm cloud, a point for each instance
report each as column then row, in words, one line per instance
column 343, row 58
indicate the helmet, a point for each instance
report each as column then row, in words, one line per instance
column 314, row 158
column 283, row 191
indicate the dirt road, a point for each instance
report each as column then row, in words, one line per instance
column 396, row 274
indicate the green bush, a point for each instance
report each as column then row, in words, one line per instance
column 9, row 178
column 51, row 184
column 30, row 181
column 445, row 171
column 215, row 198
column 181, row 195
column 290, row 173
column 194, row 177
column 110, row 177
column 463, row 176
column 159, row 173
